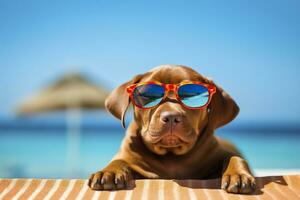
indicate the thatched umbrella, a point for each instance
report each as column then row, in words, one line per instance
column 71, row 93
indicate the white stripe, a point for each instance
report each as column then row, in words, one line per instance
column 206, row 193
column 239, row 196
column 276, row 186
column 38, row 189
column 259, row 184
column 128, row 195
column 175, row 187
column 192, row 194
column 23, row 189
column 8, row 188
column 112, row 195
column 280, row 190
column 69, row 189
column 53, row 189
column 270, row 194
column 145, row 189
column 96, row 195
column 287, row 178
column 82, row 191
column 222, row 193
column 161, row 188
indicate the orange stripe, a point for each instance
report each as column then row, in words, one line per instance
column 3, row 184
column 83, row 190
column 260, row 185
column 168, row 190
column 34, row 184
column 205, row 188
column 153, row 189
column 10, row 186
column 233, row 196
column 250, row 197
column 121, row 194
column 284, row 190
column 45, row 190
column 89, row 194
column 60, row 190
column 279, row 187
column 76, row 189
column 137, row 191
column 104, row 195
column 294, row 183
column 273, row 187
column 15, row 189
column 183, row 190
column 293, row 191
column 38, row 189
column 97, row 195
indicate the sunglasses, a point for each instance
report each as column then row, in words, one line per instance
column 190, row 94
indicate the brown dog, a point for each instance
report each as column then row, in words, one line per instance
column 146, row 151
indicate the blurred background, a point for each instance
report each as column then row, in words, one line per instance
column 59, row 60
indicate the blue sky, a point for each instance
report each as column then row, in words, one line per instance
column 251, row 48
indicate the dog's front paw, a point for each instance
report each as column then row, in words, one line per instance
column 114, row 177
column 238, row 183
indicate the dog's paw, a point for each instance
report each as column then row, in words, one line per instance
column 238, row 183
column 116, row 176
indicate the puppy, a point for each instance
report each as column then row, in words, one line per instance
column 171, row 140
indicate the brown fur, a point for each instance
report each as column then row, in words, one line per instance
column 194, row 153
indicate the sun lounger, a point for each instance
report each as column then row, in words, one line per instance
column 272, row 187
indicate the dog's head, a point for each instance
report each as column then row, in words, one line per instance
column 170, row 127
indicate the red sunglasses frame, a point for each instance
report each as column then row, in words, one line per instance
column 174, row 87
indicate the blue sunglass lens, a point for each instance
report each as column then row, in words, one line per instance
column 193, row 95
column 149, row 95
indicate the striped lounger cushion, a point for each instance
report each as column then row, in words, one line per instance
column 274, row 187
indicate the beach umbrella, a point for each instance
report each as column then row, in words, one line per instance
column 71, row 93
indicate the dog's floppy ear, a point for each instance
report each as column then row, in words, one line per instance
column 223, row 108
column 118, row 100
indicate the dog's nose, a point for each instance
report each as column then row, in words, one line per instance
column 170, row 117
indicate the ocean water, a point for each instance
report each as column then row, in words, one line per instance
column 44, row 153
